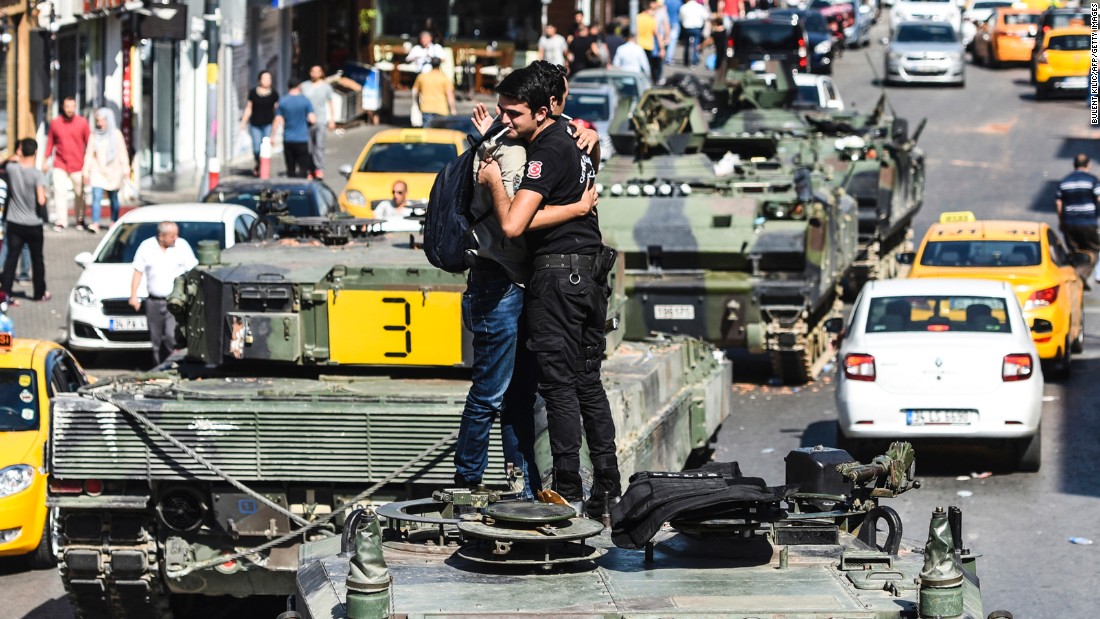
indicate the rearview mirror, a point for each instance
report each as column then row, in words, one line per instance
column 1041, row 326
column 907, row 257
column 835, row 326
column 83, row 259
column 345, row 170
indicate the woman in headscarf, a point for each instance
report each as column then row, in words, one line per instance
column 106, row 164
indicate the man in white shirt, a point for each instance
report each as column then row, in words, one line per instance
column 396, row 208
column 421, row 55
column 160, row 259
column 693, row 17
column 631, row 57
column 553, row 47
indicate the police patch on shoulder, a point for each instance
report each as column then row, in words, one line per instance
column 534, row 169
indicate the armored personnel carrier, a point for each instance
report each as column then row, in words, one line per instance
column 318, row 377
column 742, row 232
column 703, row 543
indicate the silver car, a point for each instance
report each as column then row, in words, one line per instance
column 925, row 52
column 595, row 105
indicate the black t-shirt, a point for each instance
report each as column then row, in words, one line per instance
column 580, row 48
column 560, row 172
column 263, row 107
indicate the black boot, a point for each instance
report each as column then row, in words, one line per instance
column 606, row 492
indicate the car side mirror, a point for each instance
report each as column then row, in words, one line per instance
column 907, row 257
column 1040, row 326
column 345, row 170
column 83, row 259
column 834, row 326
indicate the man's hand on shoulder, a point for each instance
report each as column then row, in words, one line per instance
column 489, row 172
column 586, row 138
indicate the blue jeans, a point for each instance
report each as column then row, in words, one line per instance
column 673, row 40
column 258, row 133
column 692, row 38
column 97, row 203
column 503, row 377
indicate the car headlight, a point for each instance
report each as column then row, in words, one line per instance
column 83, row 295
column 15, row 478
column 823, row 47
column 893, row 56
column 355, row 197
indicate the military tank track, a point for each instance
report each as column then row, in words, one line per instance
column 798, row 358
column 110, row 566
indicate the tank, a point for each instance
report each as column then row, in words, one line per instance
column 318, row 377
column 743, row 231
column 822, row 545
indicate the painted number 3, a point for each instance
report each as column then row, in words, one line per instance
column 404, row 328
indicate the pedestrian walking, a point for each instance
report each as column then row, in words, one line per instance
column 259, row 114
column 23, row 219
column 673, row 8
column 24, row 274
column 67, row 141
column 553, row 47
column 422, row 54
column 160, row 260
column 631, row 57
column 612, row 41
column 296, row 116
column 650, row 39
column 567, row 294
column 319, row 93
column 434, row 93
column 106, row 165
column 693, row 18
column 1076, row 202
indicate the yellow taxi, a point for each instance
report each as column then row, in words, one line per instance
column 1027, row 254
column 31, row 371
column 411, row 155
column 1063, row 62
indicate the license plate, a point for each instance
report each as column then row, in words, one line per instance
column 939, row 417
column 926, row 70
column 674, row 312
column 137, row 323
column 1075, row 82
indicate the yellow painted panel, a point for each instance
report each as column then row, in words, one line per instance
column 395, row 327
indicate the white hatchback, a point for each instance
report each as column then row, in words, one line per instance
column 100, row 317
column 945, row 359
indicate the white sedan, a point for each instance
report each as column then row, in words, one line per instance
column 100, row 317
column 944, row 359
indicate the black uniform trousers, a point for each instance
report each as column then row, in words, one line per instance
column 566, row 312
column 1083, row 239
column 19, row 235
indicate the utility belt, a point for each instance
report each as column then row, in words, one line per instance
column 599, row 264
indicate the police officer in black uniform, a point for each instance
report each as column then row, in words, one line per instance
column 567, row 295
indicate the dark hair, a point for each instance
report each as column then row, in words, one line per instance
column 260, row 75
column 527, row 86
column 552, row 77
column 1080, row 162
column 293, row 83
column 68, row 98
column 28, row 147
column 626, row 33
column 436, row 62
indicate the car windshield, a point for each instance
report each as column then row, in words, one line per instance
column 298, row 201
column 124, row 242
column 1069, row 43
column 938, row 313
column 981, row 254
column 925, row 33
column 765, row 35
column 18, row 400
column 408, row 157
column 807, row 96
column 1020, row 19
column 989, row 5
column 588, row 107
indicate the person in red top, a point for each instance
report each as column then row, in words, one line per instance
column 67, row 141
column 731, row 12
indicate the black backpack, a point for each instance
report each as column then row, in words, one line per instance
column 448, row 222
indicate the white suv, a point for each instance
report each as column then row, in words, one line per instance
column 946, row 11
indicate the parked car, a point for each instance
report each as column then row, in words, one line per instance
column 1027, row 254
column 305, row 198
column 596, row 106
column 947, row 360
column 943, row 11
column 628, row 84
column 925, row 52
column 414, row 156
column 31, row 372
column 1050, row 19
column 823, row 48
column 1008, row 35
column 100, row 317
column 817, row 92
column 1064, row 61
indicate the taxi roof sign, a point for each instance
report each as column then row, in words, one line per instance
column 957, row 217
column 412, row 135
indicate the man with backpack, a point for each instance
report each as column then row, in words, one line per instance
column 503, row 377
column 567, row 294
